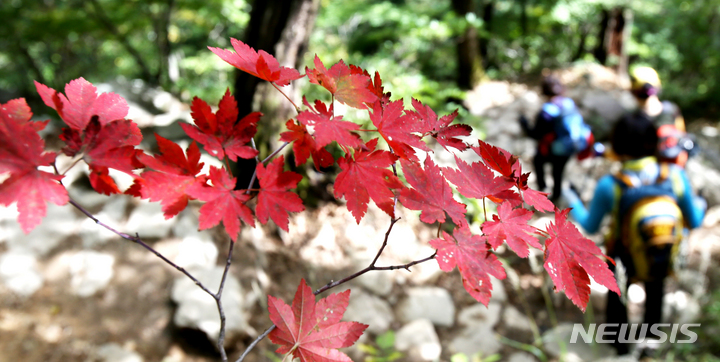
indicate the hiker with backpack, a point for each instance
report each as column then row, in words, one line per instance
column 560, row 132
column 651, row 202
column 675, row 144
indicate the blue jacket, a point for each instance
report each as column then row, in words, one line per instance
column 647, row 168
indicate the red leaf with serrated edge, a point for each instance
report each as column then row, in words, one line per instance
column 304, row 146
column 510, row 225
column 441, row 129
column 570, row 257
column 327, row 127
column 430, row 193
column 534, row 198
column 274, row 201
column 476, row 180
column 82, row 103
column 349, row 85
column 223, row 203
column 496, row 158
column 366, row 176
column 396, row 129
column 168, row 175
column 260, row 64
column 220, row 133
column 21, row 152
column 470, row 253
column 377, row 88
column 313, row 331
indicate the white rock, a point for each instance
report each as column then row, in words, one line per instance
column 196, row 309
column 521, row 357
column 112, row 352
column 681, row 307
column 323, row 249
column 479, row 315
column 369, row 309
column 498, row 290
column 18, row 270
column 58, row 223
column 512, row 318
column 474, row 339
column 196, row 253
column 431, row 303
column 378, row 282
column 419, row 339
column 148, row 221
column 90, row 271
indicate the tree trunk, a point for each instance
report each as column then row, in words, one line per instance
column 600, row 52
column 470, row 70
column 487, row 16
column 281, row 28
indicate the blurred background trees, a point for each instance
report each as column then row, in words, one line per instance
column 428, row 48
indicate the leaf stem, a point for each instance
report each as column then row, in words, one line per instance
column 297, row 109
column 71, row 166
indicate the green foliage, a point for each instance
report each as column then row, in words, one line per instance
column 383, row 349
column 56, row 41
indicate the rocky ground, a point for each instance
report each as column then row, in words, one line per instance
column 71, row 291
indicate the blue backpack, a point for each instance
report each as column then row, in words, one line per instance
column 648, row 227
column 572, row 135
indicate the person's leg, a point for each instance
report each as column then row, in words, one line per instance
column 654, row 292
column 539, row 162
column 616, row 313
column 558, row 170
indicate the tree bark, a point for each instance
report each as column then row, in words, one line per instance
column 487, row 16
column 470, row 70
column 281, row 28
column 600, row 52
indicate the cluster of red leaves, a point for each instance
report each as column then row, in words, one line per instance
column 99, row 134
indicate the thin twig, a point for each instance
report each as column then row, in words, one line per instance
column 255, row 342
column 254, row 175
column 288, row 98
column 348, row 278
column 136, row 239
column 218, row 301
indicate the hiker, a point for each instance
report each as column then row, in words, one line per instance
column 560, row 131
column 675, row 145
column 650, row 203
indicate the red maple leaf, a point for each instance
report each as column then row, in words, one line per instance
column 534, row 198
column 570, row 257
column 220, row 133
column 97, row 129
column 510, row 224
column 441, row 129
column 396, row 129
column 168, row 175
column 328, row 127
column 304, row 146
column 477, row 181
column 350, row 85
column 274, row 201
column 430, row 193
column 473, row 258
column 260, row 64
column 82, row 103
column 223, row 202
column 496, row 158
column 313, row 331
column 366, row 176
column 21, row 152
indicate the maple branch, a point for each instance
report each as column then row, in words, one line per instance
column 218, row 301
column 348, row 278
column 297, row 109
column 227, row 165
column 255, row 342
column 254, row 175
column 136, row 239
column 69, row 167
